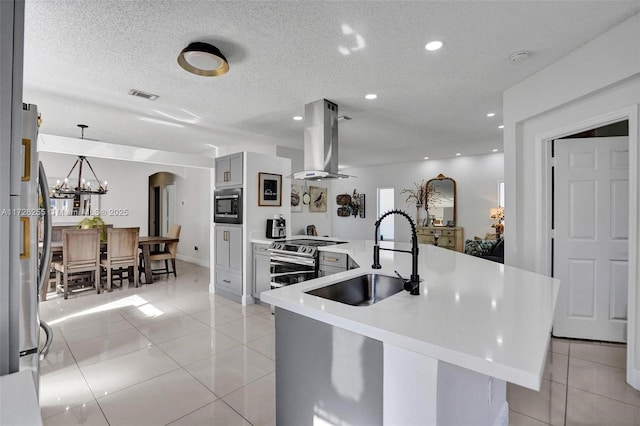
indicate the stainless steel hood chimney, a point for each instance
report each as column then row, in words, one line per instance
column 320, row 141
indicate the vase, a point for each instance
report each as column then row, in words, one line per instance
column 418, row 211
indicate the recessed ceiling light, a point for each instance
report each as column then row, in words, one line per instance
column 426, row 158
column 371, row 96
column 458, row 154
column 491, row 114
column 297, row 117
column 501, row 126
column 494, row 150
column 433, row 45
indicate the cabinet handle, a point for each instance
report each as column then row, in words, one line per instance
column 26, row 176
column 226, row 281
column 25, row 252
column 331, row 259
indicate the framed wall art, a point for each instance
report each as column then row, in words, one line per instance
column 318, row 202
column 270, row 189
column 296, row 197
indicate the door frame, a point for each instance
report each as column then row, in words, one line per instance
column 544, row 212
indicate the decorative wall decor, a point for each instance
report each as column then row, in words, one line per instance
column 270, row 189
column 296, row 197
column 318, row 201
column 350, row 205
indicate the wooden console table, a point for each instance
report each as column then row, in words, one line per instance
column 451, row 238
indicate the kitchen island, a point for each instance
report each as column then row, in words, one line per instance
column 442, row 357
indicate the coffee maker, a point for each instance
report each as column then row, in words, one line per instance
column 276, row 227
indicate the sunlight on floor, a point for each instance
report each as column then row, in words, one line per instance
column 143, row 305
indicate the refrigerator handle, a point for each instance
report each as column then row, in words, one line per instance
column 46, row 250
column 47, row 344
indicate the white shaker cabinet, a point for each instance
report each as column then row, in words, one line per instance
column 228, row 265
column 229, row 170
column 261, row 269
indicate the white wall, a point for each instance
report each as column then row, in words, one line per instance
column 255, row 217
column 477, row 191
column 300, row 220
column 600, row 80
column 128, row 189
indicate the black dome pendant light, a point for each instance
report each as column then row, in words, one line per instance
column 203, row 59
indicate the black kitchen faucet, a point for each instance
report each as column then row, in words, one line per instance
column 412, row 285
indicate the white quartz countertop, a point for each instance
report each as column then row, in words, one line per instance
column 472, row 313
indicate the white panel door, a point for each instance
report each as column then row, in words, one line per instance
column 591, row 204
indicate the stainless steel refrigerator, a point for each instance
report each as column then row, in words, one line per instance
column 28, row 263
column 20, row 175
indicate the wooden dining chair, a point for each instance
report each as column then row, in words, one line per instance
column 80, row 253
column 168, row 254
column 122, row 252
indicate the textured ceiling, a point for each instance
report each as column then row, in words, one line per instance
column 82, row 57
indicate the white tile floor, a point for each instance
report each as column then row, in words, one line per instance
column 166, row 353
column 583, row 384
column 171, row 353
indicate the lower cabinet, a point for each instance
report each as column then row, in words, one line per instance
column 229, row 282
column 332, row 263
column 228, row 261
column 261, row 270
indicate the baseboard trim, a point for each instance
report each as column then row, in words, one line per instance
column 633, row 377
column 248, row 300
column 200, row 262
column 503, row 417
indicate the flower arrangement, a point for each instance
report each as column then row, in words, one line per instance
column 424, row 194
column 417, row 195
column 94, row 222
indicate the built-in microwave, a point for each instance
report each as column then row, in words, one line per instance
column 227, row 205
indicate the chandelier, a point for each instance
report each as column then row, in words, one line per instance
column 66, row 189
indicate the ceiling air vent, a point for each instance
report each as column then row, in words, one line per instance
column 141, row 94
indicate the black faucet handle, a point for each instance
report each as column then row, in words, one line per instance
column 413, row 285
column 376, row 257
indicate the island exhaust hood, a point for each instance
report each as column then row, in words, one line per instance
column 320, row 141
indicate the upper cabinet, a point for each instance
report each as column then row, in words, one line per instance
column 229, row 170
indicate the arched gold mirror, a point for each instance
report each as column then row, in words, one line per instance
column 441, row 201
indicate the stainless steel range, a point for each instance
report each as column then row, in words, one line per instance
column 294, row 261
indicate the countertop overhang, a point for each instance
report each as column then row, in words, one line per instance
column 476, row 314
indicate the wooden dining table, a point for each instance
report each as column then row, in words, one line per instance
column 144, row 243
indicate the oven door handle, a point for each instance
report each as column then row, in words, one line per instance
column 288, row 254
column 296, row 260
column 284, row 274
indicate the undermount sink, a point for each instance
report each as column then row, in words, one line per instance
column 363, row 290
